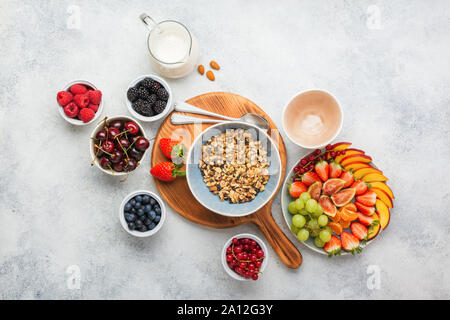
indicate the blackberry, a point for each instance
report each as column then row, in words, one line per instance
column 147, row 109
column 147, row 82
column 152, row 99
column 143, row 93
column 155, row 86
column 132, row 94
column 159, row 106
column 138, row 105
column 162, row 94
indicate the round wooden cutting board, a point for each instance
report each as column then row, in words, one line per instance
column 180, row 198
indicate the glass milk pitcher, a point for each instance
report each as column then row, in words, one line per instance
column 174, row 50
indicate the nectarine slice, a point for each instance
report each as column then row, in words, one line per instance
column 341, row 146
column 383, row 196
column 356, row 165
column 356, row 158
column 374, row 228
column 358, row 174
column 348, row 152
column 374, row 177
column 383, row 213
column 383, row 186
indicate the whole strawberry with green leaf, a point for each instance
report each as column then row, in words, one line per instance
column 166, row 171
column 173, row 149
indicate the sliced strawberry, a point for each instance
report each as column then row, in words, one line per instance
column 309, row 178
column 335, row 170
column 367, row 220
column 296, row 189
column 348, row 177
column 350, row 243
column 359, row 230
column 333, row 247
column 368, row 211
column 360, row 186
column 368, row 199
column 322, row 168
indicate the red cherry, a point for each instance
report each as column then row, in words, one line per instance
column 113, row 133
column 108, row 146
column 105, row 163
column 142, row 144
column 101, row 135
column 132, row 128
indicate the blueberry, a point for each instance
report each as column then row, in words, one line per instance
column 133, row 210
column 130, row 217
column 143, row 228
column 152, row 214
column 142, row 207
column 138, row 198
column 140, row 212
column 147, row 221
column 152, row 226
column 137, row 205
column 131, row 226
column 132, row 202
column 152, row 201
column 157, row 219
column 145, row 199
column 148, row 208
column 127, row 207
column 157, row 210
column 139, row 223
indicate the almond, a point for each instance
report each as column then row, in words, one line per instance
column 201, row 69
column 210, row 75
column 214, row 65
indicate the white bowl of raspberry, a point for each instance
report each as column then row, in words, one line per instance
column 118, row 145
column 244, row 253
column 149, row 98
column 77, row 96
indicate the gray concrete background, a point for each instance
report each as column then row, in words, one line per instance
column 386, row 61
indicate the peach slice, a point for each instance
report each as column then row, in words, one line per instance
column 383, row 196
column 383, row 212
column 383, row 186
column 374, row 229
column 374, row 177
column 340, row 146
column 356, row 165
column 348, row 152
column 356, row 158
column 358, row 174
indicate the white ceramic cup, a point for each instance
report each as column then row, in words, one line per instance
column 231, row 272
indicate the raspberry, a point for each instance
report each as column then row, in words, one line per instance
column 71, row 110
column 95, row 96
column 78, row 89
column 93, row 107
column 82, row 100
column 87, row 114
column 64, row 97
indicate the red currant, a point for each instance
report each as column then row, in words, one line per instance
column 255, row 276
column 328, row 147
column 303, row 162
column 235, row 241
column 317, row 152
column 260, row 253
column 230, row 258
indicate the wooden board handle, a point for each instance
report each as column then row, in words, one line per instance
column 283, row 247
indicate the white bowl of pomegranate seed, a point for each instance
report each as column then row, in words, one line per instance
column 80, row 102
column 118, row 145
column 244, row 257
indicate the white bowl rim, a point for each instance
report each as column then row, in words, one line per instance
column 169, row 101
column 91, row 145
column 74, row 121
column 149, row 232
column 328, row 141
column 237, row 123
column 233, row 274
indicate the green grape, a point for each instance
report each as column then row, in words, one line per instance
column 322, row 220
column 319, row 210
column 291, row 208
column 299, row 204
column 325, row 235
column 316, row 214
column 311, row 205
column 294, row 229
column 305, row 196
column 303, row 212
column 327, row 228
column 298, row 221
column 303, row 235
column 318, row 242
column 314, row 227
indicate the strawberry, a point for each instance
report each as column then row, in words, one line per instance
column 367, row 220
column 322, row 168
column 333, row 247
column 368, row 211
column 335, row 170
column 368, row 199
column 360, row 186
column 350, row 243
column 309, row 178
column 166, row 171
column 296, row 189
column 172, row 149
column 359, row 230
column 348, row 177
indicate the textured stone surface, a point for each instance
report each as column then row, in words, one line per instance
column 392, row 79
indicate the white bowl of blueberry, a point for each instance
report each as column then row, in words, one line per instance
column 149, row 98
column 142, row 213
